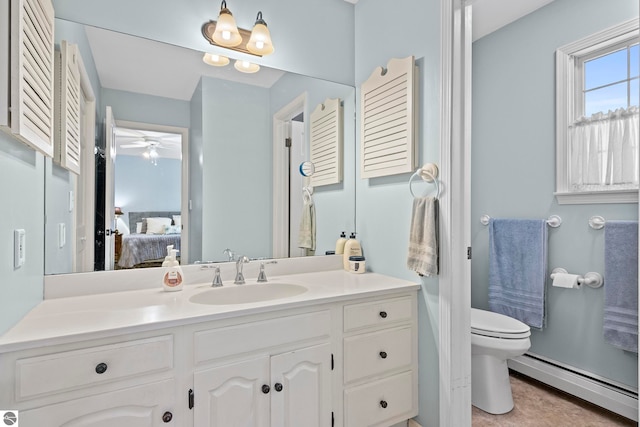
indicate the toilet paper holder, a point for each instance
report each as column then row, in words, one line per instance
column 591, row 279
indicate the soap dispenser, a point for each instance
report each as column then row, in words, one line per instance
column 173, row 277
column 167, row 259
column 351, row 248
column 340, row 243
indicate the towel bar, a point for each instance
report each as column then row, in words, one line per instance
column 553, row 221
column 429, row 173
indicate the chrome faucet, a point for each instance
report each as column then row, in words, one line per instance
column 239, row 264
column 262, row 276
column 217, row 280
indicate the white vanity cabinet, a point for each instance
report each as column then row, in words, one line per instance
column 347, row 362
column 284, row 376
column 125, row 383
column 380, row 361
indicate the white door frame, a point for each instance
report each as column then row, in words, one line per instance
column 184, row 192
column 280, row 174
column 109, row 190
column 85, row 192
column 455, row 268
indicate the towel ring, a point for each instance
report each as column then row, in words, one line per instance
column 429, row 173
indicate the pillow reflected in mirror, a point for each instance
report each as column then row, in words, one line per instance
column 157, row 225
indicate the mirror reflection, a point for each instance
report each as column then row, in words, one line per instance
column 175, row 151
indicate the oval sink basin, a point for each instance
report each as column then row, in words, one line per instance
column 243, row 294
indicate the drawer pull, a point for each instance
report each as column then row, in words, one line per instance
column 101, row 368
column 383, row 354
column 383, row 403
column 167, row 417
column 278, row 387
column 266, row 389
column 383, row 314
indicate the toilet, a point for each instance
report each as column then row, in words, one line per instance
column 494, row 339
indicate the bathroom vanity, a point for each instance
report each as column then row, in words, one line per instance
column 343, row 352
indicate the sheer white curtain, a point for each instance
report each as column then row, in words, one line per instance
column 604, row 151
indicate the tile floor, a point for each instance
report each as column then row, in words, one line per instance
column 537, row 405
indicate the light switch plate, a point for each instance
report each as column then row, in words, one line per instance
column 19, row 240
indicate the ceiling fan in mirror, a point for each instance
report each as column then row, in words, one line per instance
column 148, row 144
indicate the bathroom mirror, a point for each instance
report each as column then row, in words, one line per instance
column 244, row 189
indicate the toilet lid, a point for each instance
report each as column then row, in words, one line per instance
column 497, row 325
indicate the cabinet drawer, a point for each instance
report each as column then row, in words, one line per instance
column 379, row 402
column 377, row 352
column 216, row 343
column 70, row 370
column 377, row 313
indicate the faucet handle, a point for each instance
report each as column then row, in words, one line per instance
column 262, row 276
column 230, row 254
column 217, row 280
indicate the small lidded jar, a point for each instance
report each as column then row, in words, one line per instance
column 356, row 264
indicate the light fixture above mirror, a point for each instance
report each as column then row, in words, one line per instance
column 215, row 60
column 225, row 33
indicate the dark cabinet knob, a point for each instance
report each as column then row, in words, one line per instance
column 383, row 403
column 383, row 354
column 278, row 387
column 101, row 368
column 266, row 389
column 167, row 417
column 383, row 314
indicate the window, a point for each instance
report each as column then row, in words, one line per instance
column 597, row 117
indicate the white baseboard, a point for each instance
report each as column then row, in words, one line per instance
column 597, row 392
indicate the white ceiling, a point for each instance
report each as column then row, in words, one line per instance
column 145, row 66
column 490, row 15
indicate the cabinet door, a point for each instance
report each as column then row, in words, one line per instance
column 304, row 398
column 142, row 406
column 232, row 395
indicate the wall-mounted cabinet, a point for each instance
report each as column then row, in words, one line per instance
column 67, row 112
column 27, row 72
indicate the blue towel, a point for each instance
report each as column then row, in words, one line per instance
column 517, row 269
column 621, row 284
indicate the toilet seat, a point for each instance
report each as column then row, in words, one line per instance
column 496, row 325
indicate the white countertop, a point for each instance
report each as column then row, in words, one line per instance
column 75, row 318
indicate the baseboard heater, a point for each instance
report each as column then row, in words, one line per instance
column 617, row 398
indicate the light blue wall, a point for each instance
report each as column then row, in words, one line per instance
column 236, row 156
column 136, row 107
column 334, row 204
column 141, row 186
column 58, row 183
column 383, row 205
column 22, row 175
column 303, row 43
column 513, row 174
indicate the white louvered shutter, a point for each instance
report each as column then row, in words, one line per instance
column 31, row 74
column 388, row 109
column 326, row 143
column 67, row 112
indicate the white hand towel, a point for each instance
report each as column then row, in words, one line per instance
column 423, row 237
column 307, row 234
